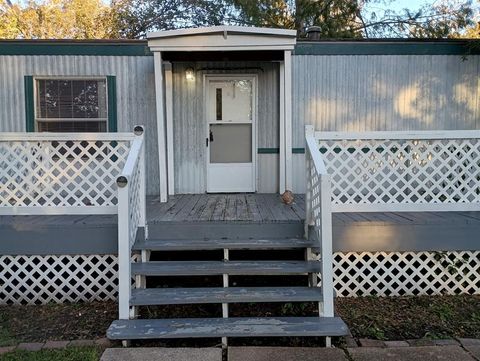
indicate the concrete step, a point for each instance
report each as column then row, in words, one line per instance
column 203, row 268
column 226, row 327
column 165, row 296
column 216, row 244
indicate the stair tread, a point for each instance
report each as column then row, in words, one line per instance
column 188, row 268
column 214, row 244
column 165, row 296
column 226, row 327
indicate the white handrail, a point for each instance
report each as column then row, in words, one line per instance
column 315, row 154
column 131, row 216
column 399, row 135
column 319, row 216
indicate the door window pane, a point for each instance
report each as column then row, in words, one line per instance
column 218, row 103
column 231, row 101
column 231, row 143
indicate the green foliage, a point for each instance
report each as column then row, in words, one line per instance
column 5, row 337
column 444, row 311
column 374, row 332
column 134, row 18
column 69, row 354
column 350, row 19
column 294, row 309
column 56, row 19
column 335, row 19
column 88, row 19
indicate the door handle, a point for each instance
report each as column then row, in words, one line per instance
column 206, row 142
column 211, row 136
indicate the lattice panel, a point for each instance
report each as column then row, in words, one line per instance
column 406, row 273
column 314, row 190
column 60, row 173
column 44, row 279
column 369, row 171
column 134, row 209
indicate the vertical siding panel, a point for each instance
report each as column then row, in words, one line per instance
column 385, row 92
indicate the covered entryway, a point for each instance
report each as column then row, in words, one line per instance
column 223, row 109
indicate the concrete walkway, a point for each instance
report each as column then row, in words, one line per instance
column 423, row 353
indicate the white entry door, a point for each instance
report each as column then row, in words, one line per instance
column 230, row 138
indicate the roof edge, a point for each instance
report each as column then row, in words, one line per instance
column 75, row 47
column 223, row 29
column 389, row 47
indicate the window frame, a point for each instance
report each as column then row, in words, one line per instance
column 60, row 77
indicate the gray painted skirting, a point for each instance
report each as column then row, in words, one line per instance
column 402, row 238
column 74, row 239
column 102, row 239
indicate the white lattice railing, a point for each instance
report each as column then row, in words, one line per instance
column 131, row 216
column 61, row 173
column 71, row 173
column 319, row 216
column 402, row 171
column 386, row 171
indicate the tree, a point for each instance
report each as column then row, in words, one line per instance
column 56, row 19
column 336, row 19
column 134, row 18
column 350, row 18
column 445, row 18
column 85, row 19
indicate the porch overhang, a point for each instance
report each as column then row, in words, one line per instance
column 222, row 38
column 234, row 39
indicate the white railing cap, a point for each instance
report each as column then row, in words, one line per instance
column 47, row 136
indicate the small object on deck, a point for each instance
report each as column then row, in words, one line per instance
column 287, row 197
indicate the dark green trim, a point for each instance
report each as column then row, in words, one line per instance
column 29, row 104
column 268, row 150
column 327, row 47
column 277, row 150
column 457, row 47
column 19, row 47
column 112, row 103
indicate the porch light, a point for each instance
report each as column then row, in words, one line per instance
column 190, row 74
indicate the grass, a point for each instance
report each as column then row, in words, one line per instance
column 403, row 318
column 69, row 354
column 6, row 338
column 382, row 318
column 74, row 321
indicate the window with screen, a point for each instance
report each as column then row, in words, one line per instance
column 71, row 105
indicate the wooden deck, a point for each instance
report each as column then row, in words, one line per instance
column 232, row 214
column 225, row 208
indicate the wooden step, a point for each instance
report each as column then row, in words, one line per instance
column 226, row 327
column 204, row 268
column 225, row 229
column 166, row 296
column 215, row 244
